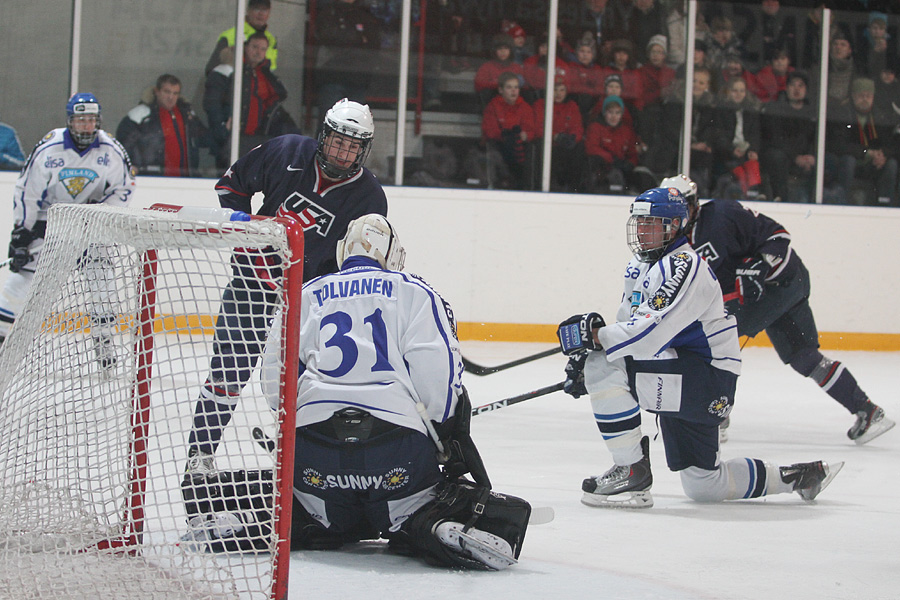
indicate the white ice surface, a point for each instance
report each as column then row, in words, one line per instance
column 844, row 546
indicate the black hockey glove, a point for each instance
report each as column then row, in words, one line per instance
column 750, row 282
column 19, row 241
column 577, row 333
column 574, row 384
column 461, row 454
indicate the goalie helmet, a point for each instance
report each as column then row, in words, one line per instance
column 345, row 139
column 658, row 217
column 83, row 104
column 372, row 236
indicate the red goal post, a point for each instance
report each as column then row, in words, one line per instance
column 98, row 382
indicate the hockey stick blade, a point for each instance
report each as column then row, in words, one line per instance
column 541, row 515
column 516, row 399
column 265, row 442
column 479, row 370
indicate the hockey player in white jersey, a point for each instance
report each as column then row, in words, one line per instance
column 76, row 164
column 383, row 420
column 673, row 351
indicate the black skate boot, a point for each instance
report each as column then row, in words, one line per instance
column 809, row 479
column 870, row 423
column 623, row 486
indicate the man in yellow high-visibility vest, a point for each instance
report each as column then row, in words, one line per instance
column 256, row 20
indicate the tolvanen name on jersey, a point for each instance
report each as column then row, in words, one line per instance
column 355, row 287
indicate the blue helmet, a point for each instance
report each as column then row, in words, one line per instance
column 658, row 217
column 83, row 104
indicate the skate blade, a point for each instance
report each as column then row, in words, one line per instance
column 484, row 552
column 875, row 430
column 624, row 500
column 831, row 471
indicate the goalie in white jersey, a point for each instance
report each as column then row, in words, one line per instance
column 76, row 164
column 673, row 351
column 383, row 418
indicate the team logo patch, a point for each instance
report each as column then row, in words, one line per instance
column 308, row 213
column 720, row 407
column 395, row 478
column 313, row 478
column 708, row 252
column 75, row 180
column 679, row 267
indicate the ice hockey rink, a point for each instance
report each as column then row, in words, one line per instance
column 843, row 546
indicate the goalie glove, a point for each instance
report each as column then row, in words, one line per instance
column 576, row 334
column 462, row 455
column 574, row 384
column 750, row 279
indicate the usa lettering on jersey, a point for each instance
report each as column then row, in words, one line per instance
column 308, row 213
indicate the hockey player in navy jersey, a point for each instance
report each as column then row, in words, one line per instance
column 383, row 420
column 673, row 351
column 321, row 183
column 76, row 164
column 768, row 288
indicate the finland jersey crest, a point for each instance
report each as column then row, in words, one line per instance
column 75, row 180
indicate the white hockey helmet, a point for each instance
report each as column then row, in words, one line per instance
column 346, row 119
column 685, row 185
column 371, row 235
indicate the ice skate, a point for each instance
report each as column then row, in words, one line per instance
column 206, row 528
column 200, row 463
column 810, row 478
column 870, row 423
column 105, row 352
column 487, row 548
column 623, row 486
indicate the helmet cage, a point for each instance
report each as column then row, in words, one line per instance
column 372, row 236
column 346, row 121
column 658, row 216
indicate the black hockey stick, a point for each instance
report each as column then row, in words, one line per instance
column 474, row 369
column 268, row 444
column 516, row 399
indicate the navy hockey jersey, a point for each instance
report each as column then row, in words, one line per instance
column 285, row 170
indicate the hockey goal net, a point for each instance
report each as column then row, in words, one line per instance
column 99, row 378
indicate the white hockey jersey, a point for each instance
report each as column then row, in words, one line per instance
column 670, row 305
column 380, row 341
column 57, row 173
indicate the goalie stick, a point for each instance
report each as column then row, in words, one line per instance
column 476, row 369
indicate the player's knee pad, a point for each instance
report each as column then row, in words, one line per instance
column 705, row 485
column 806, row 361
column 472, row 505
column 231, row 508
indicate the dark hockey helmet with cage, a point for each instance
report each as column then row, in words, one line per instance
column 83, row 104
column 665, row 207
column 346, row 120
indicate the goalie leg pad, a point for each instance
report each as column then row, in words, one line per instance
column 232, row 507
column 478, row 511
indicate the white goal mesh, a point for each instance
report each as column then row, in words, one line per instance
column 99, row 378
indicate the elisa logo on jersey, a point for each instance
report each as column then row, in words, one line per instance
column 308, row 213
column 720, row 407
column 679, row 265
column 313, row 478
column 75, row 180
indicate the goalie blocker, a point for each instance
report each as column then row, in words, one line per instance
column 466, row 525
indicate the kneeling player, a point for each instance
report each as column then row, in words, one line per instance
column 673, row 351
column 382, row 422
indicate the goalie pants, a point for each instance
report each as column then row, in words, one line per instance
column 356, row 485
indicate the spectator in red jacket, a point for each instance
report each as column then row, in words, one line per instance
column 585, row 76
column 488, row 74
column 508, row 126
column 567, row 162
column 612, row 148
column 772, row 79
column 622, row 63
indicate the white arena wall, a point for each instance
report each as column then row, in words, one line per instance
column 513, row 264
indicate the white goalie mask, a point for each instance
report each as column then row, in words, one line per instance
column 372, row 236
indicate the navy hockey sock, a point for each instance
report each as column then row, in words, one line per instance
column 835, row 379
column 210, row 419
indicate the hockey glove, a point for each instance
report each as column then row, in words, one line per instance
column 19, row 241
column 462, row 455
column 751, row 276
column 577, row 333
column 574, row 384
